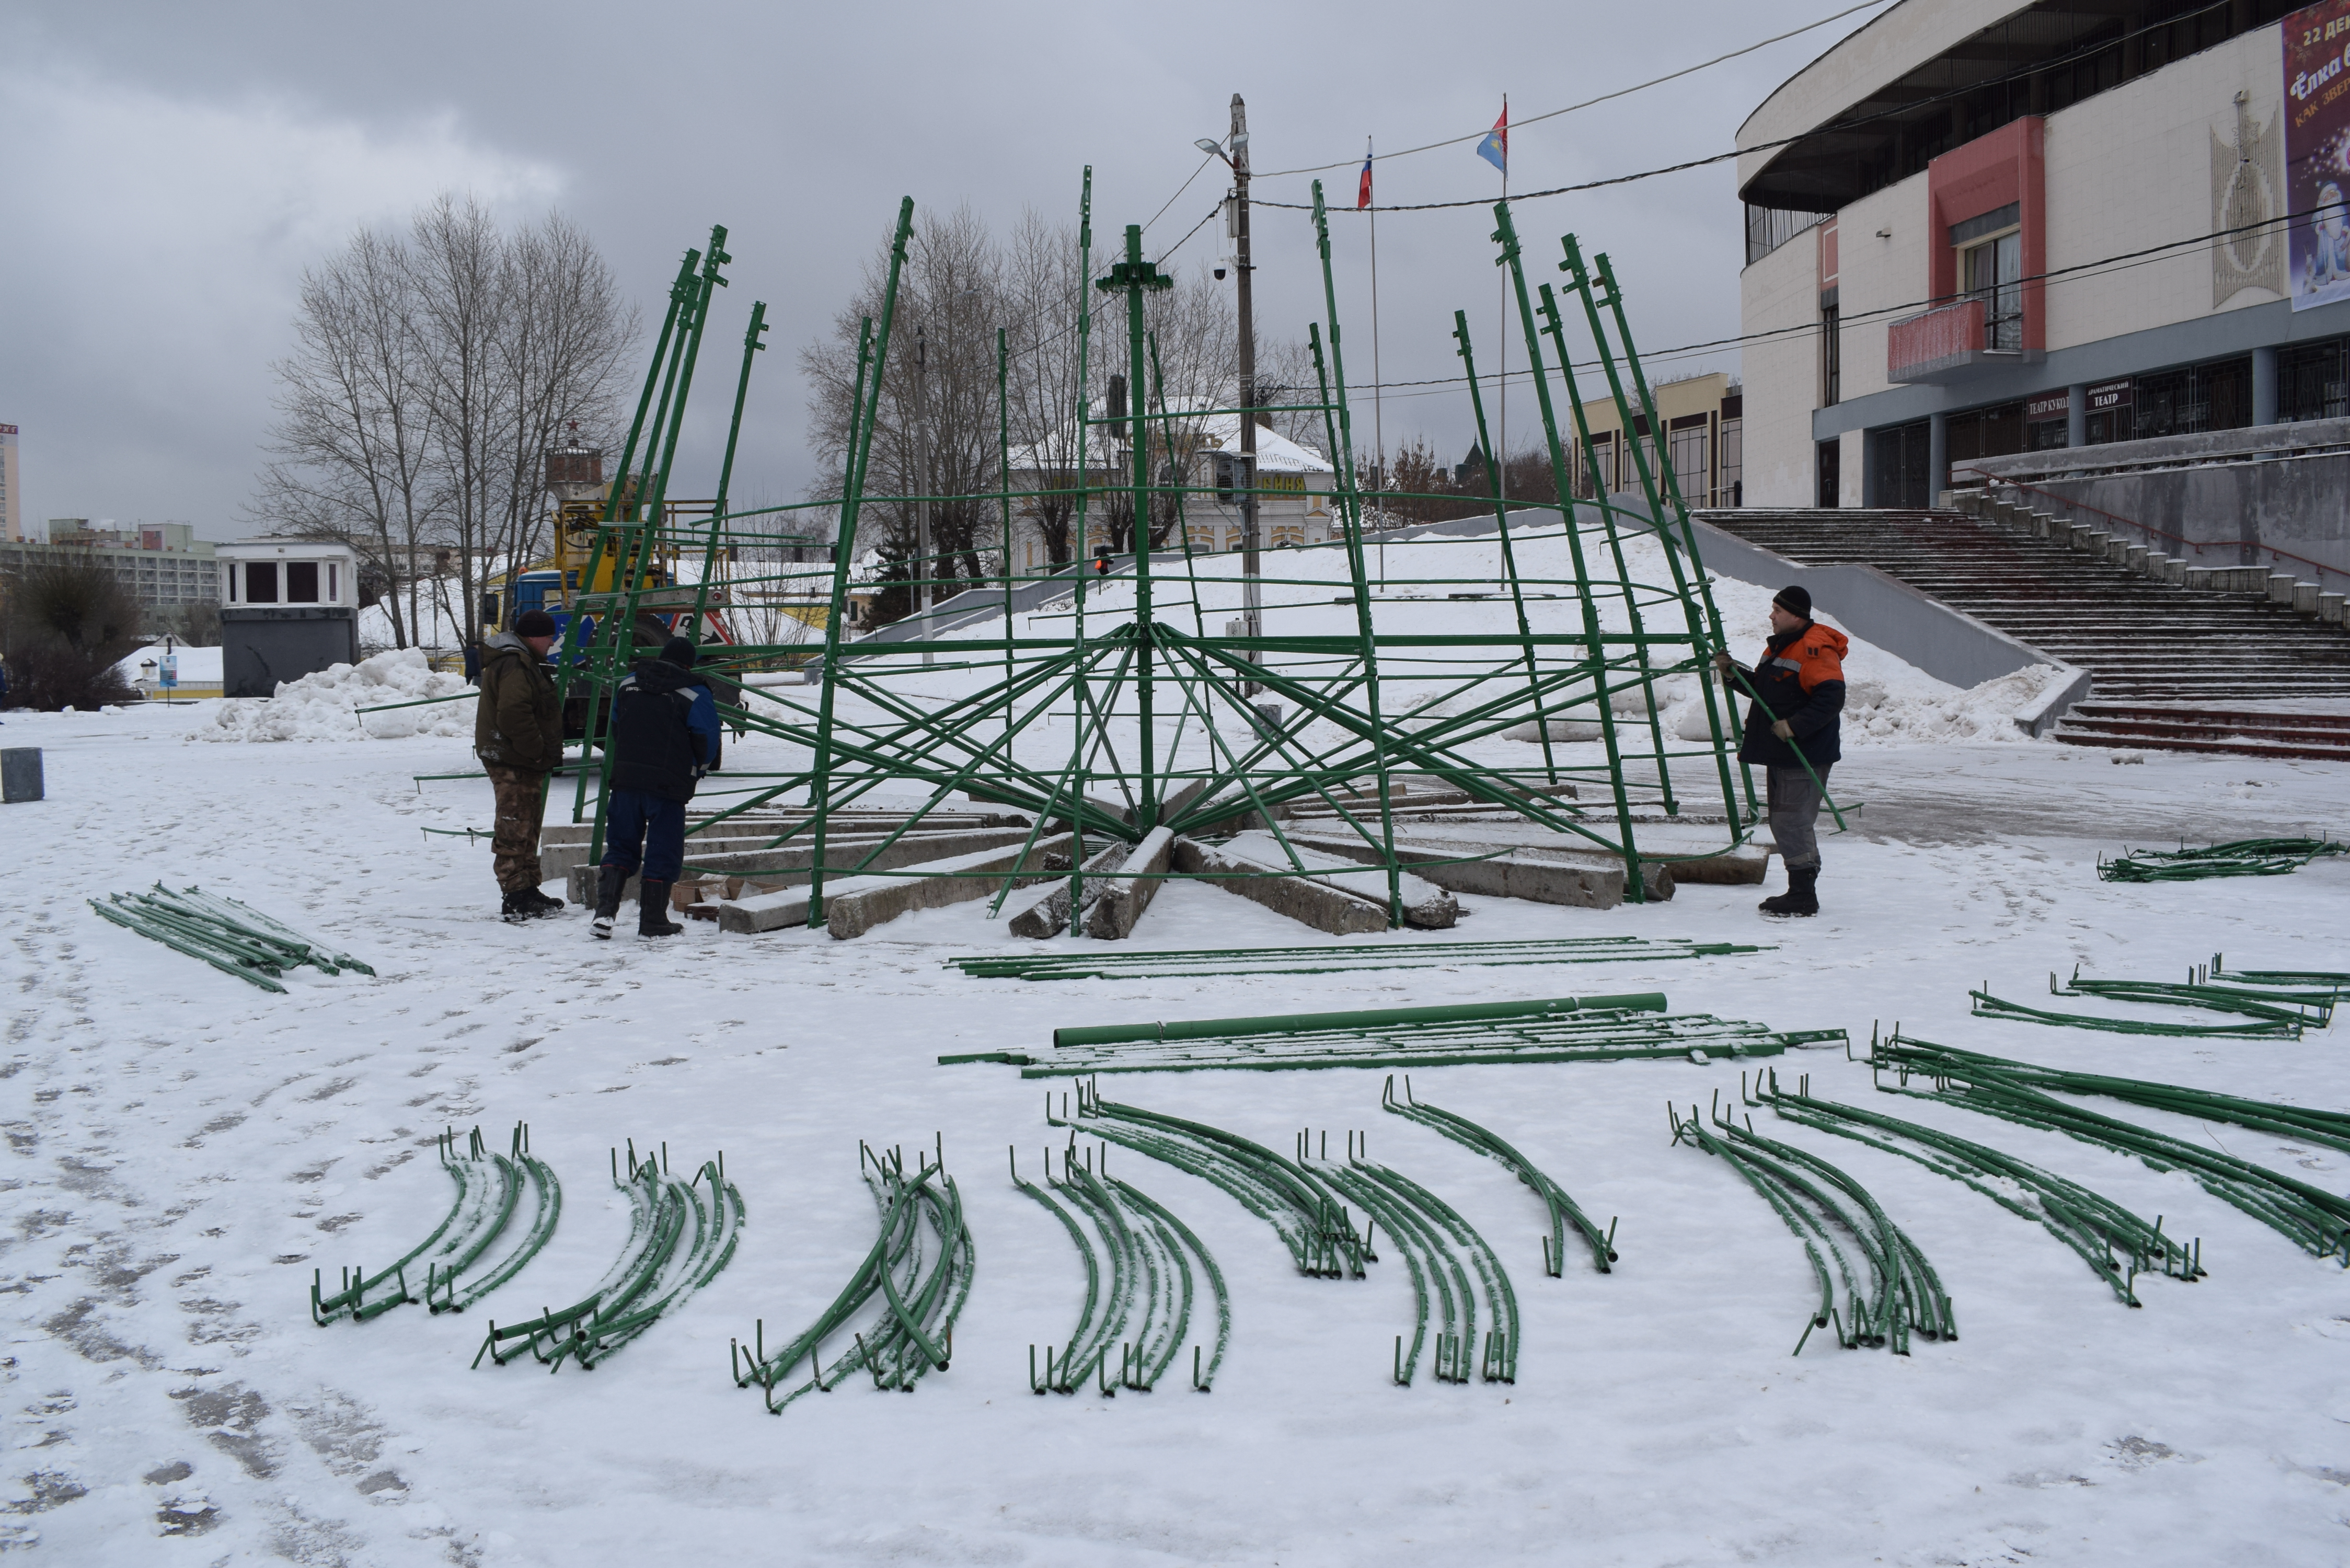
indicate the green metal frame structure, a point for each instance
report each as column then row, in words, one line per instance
column 1115, row 709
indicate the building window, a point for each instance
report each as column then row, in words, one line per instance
column 1991, row 268
column 1768, row 228
column 2194, row 398
column 1830, row 462
column 1690, row 441
column 2311, row 382
column 1733, row 461
column 261, row 582
column 302, row 582
column 1896, row 466
column 1831, row 355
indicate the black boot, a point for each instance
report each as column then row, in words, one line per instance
column 609, row 881
column 514, row 907
column 1802, row 896
column 652, row 910
column 540, row 905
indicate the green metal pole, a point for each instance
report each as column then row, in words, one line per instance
column 1502, row 522
column 1506, row 233
column 1134, row 276
column 1003, row 484
column 1085, row 491
column 1338, row 423
column 845, row 546
column 751, row 346
column 1582, row 278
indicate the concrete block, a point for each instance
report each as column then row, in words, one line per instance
column 2305, row 599
column 2134, row 558
column 2174, row 571
column 2118, row 551
column 2196, row 577
column 2080, row 536
column 2329, row 608
column 1114, row 914
column 1581, row 880
column 2280, row 588
column 789, row 865
column 1048, row 915
column 1314, row 904
column 20, row 774
column 1560, row 730
column 865, row 902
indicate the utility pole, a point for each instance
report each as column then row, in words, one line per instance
column 920, row 591
column 1251, row 592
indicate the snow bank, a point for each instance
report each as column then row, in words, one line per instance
column 322, row 707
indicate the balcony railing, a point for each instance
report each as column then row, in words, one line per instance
column 1947, row 342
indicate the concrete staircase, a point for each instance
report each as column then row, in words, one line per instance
column 2169, row 661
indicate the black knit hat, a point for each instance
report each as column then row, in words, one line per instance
column 677, row 650
column 1794, row 600
column 533, row 623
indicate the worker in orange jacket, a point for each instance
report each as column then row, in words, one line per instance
column 1799, row 682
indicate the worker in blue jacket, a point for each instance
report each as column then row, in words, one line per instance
column 663, row 736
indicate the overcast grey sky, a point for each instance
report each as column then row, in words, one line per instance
column 171, row 170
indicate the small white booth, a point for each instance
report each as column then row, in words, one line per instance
column 289, row 607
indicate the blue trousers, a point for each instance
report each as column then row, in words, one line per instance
column 644, row 829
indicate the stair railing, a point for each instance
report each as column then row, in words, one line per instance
column 2148, row 529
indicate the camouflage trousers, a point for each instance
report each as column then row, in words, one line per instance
column 514, row 846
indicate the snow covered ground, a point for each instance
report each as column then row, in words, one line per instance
column 187, row 1149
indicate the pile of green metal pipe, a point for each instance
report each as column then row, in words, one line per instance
column 1434, row 1240
column 1889, row 1289
column 2243, row 857
column 2335, row 980
column 680, row 1235
column 922, row 1288
column 1310, row 1202
column 1562, row 1210
column 2092, row 1225
column 1559, row 1029
column 1312, row 1220
column 490, row 1188
column 1147, row 1254
column 2263, row 1012
column 1088, row 963
column 2312, row 1219
column 233, row 937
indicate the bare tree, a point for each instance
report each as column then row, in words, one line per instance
column 431, row 372
column 349, row 454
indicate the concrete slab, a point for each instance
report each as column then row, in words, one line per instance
column 1312, row 903
column 1593, row 883
column 1113, row 914
column 865, row 902
column 790, row 864
column 1048, row 915
column 1426, row 905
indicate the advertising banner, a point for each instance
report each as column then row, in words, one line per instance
column 2317, row 152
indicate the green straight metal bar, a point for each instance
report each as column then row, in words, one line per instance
column 717, row 516
column 1581, row 279
column 1506, row 236
column 1562, row 481
column 1338, row 423
column 1502, row 523
column 845, row 540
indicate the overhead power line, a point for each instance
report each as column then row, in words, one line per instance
column 1589, row 102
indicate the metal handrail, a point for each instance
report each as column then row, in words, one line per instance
column 2147, row 528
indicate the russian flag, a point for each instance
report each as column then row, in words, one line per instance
column 1496, row 148
column 1363, row 193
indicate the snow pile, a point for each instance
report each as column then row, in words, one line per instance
column 1983, row 712
column 323, row 707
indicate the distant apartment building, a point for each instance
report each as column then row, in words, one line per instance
column 11, row 484
column 163, row 564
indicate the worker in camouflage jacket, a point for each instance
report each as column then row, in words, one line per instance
column 518, row 736
column 1794, row 720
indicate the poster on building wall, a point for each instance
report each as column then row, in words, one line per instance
column 2317, row 152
